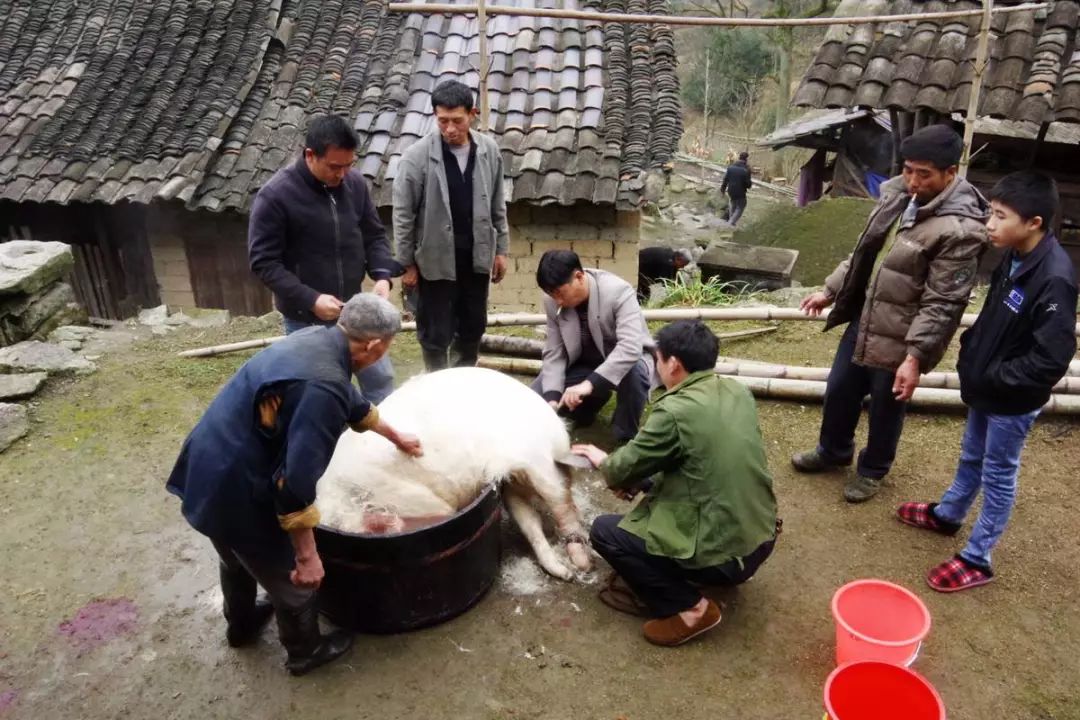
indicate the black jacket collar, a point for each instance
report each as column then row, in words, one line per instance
column 1033, row 258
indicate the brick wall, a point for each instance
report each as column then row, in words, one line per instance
column 165, row 229
column 603, row 237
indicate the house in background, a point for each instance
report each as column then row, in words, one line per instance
column 139, row 130
column 872, row 85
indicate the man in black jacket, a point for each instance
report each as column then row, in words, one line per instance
column 736, row 182
column 1010, row 360
column 656, row 264
column 313, row 234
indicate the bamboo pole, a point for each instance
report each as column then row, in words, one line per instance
column 482, row 30
column 514, row 366
column 230, row 347
column 528, row 347
column 925, row 398
column 655, row 315
column 509, row 345
column 976, row 85
column 605, row 17
column 941, row 380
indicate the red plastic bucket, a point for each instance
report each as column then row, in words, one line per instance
column 877, row 620
column 880, row 691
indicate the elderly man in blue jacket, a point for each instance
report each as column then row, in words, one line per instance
column 247, row 472
column 313, row 234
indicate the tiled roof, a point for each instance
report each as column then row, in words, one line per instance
column 120, row 99
column 202, row 100
column 1033, row 73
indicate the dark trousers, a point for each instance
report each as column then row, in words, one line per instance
column 452, row 312
column 664, row 585
column 736, row 208
column 631, row 395
column 241, row 570
column 848, row 385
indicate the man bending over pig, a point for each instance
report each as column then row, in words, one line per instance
column 709, row 513
column 596, row 342
column 247, row 472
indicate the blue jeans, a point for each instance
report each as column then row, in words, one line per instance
column 376, row 381
column 990, row 461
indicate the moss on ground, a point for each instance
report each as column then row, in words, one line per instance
column 823, row 232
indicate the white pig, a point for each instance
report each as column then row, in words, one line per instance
column 476, row 427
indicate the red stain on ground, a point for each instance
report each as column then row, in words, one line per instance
column 7, row 699
column 99, row 621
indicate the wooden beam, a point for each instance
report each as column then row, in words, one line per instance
column 604, row 17
column 976, row 85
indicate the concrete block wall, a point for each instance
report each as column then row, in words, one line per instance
column 602, row 236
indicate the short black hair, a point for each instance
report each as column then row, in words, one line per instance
column 1029, row 194
column 556, row 268
column 744, row 155
column 938, row 145
column 452, row 94
column 692, row 342
column 325, row 131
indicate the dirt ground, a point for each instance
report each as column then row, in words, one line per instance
column 109, row 606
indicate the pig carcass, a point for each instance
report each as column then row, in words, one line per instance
column 476, row 427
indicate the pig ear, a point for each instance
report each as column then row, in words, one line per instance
column 574, row 461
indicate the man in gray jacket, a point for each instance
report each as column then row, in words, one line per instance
column 450, row 228
column 597, row 341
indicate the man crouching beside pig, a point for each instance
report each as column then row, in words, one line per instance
column 247, row 472
column 709, row 513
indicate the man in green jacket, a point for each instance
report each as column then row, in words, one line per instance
column 709, row 513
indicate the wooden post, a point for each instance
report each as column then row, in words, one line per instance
column 976, row 86
column 708, row 68
column 481, row 18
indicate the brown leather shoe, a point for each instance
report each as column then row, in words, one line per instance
column 672, row 631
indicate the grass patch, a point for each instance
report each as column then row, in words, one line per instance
column 709, row 293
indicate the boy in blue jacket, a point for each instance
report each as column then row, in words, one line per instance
column 1010, row 360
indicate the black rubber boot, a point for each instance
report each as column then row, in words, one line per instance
column 307, row 647
column 464, row 354
column 244, row 616
column 435, row 360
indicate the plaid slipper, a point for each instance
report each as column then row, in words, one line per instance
column 958, row 574
column 921, row 515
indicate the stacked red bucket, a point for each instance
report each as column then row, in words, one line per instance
column 880, row 628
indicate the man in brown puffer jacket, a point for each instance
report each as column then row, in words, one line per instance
column 902, row 292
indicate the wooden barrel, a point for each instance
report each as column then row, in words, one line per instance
column 397, row 582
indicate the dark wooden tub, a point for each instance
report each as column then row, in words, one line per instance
column 410, row 580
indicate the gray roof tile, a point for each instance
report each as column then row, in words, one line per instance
column 929, row 64
column 135, row 100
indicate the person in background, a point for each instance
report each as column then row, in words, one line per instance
column 597, row 341
column 246, row 474
column 450, row 228
column 709, row 513
column 1018, row 349
column 314, row 232
column 737, row 182
column 656, row 264
column 902, row 293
